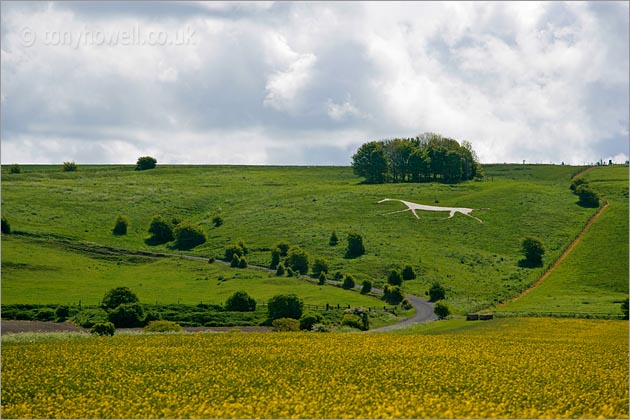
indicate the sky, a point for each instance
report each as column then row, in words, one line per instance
column 306, row 83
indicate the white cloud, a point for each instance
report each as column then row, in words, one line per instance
column 284, row 88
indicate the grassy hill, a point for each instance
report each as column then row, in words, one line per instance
column 478, row 263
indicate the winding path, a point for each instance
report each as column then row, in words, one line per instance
column 424, row 313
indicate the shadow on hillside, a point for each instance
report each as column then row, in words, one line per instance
column 523, row 263
column 152, row 241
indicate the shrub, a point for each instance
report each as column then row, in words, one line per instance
column 120, row 226
column 406, row 305
column 308, row 320
column 89, row 317
column 217, row 221
column 235, row 261
column 280, row 270
column 145, row 162
column 322, row 279
column 366, row 287
column 408, row 273
column 118, row 296
column 320, row 328
column 355, row 245
column 588, row 197
column 297, row 260
column 283, row 247
column 127, row 315
column 436, row 292
column 576, row 183
column 534, row 251
column 70, row 167
column 441, row 309
column 15, row 169
column 338, row 275
column 6, row 227
column 188, row 235
column 161, row 230
column 625, row 308
column 103, row 329
column 242, row 263
column 275, row 258
column 62, row 312
column 348, row 282
column 334, row 240
column 320, row 265
column 162, row 326
column 394, row 278
column 352, row 321
column 211, row 260
column 290, row 272
column 242, row 245
column 392, row 294
column 231, row 250
column 285, row 306
column 240, row 302
column 45, row 314
column 285, row 324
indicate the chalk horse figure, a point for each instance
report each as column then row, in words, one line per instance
column 413, row 207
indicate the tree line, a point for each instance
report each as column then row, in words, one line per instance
column 428, row 157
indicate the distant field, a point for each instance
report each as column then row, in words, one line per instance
column 263, row 205
column 594, row 277
column 515, row 368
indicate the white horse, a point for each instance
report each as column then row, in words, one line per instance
column 413, row 207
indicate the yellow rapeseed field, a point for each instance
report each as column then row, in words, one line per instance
column 505, row 368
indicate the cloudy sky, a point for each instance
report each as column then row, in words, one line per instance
column 307, row 83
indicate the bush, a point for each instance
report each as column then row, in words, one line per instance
column 290, row 272
column 120, row 226
column 127, row 315
column 355, row 245
column 576, row 183
column 393, row 294
column 436, row 292
column 275, row 258
column 285, row 324
column 394, row 278
column 240, row 302
column 348, row 282
column 145, row 162
column 280, row 270
column 231, row 250
column 70, row 167
column 322, row 279
column 320, row 265
column 6, row 227
column 334, row 240
column 242, row 263
column 162, row 326
column 297, row 260
column 118, row 296
column 211, row 260
column 45, row 314
column 588, row 197
column 242, row 245
column 235, row 261
column 161, row 230
column 103, row 329
column 188, row 235
column 15, row 169
column 90, row 317
column 534, row 251
column 352, row 320
column 441, row 309
column 366, row 287
column 320, row 328
column 217, row 221
column 308, row 320
column 408, row 273
column 285, row 306
column 625, row 308
column 62, row 312
column 283, row 248
column 405, row 304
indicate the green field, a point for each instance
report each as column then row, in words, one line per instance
column 56, row 214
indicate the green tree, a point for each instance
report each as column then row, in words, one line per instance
column 355, row 245
column 436, row 292
column 217, row 221
column 297, row 260
column 188, row 235
column 103, row 329
column 370, row 162
column 5, row 226
column 120, row 226
column 280, row 270
column 366, row 287
column 235, row 261
column 534, row 251
column 118, row 296
column 15, row 169
column 393, row 294
column 62, row 312
column 394, row 278
column 240, row 302
column 408, row 273
column 161, row 230
column 275, row 258
column 348, row 282
column 242, row 263
column 441, row 309
column 285, row 306
column 320, row 265
column 588, row 197
column 70, row 167
column 322, row 279
column 334, row 240
column 127, row 315
column 283, row 248
column 145, row 162
column 309, row 319
column 231, row 250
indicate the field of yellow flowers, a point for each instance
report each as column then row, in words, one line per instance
column 524, row 368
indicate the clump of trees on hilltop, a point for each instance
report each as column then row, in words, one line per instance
column 428, row 157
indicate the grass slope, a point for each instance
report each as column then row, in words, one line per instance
column 262, row 205
column 594, row 277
